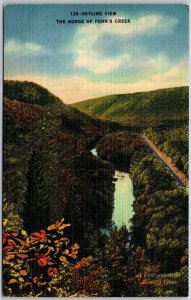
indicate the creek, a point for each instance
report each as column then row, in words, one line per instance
column 123, row 198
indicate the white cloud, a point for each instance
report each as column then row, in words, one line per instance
column 74, row 88
column 87, row 36
column 20, row 48
column 98, row 66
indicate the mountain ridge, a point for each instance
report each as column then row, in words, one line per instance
column 157, row 105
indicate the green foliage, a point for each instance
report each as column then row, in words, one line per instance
column 28, row 92
column 128, row 265
column 174, row 143
column 73, row 212
column 170, row 212
column 95, row 189
column 36, row 213
column 149, row 176
column 15, row 174
column 10, row 216
column 161, row 212
column 143, row 108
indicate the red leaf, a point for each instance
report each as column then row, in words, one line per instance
column 35, row 279
column 11, row 243
column 31, row 259
column 5, row 234
column 43, row 261
column 14, row 234
column 8, row 248
column 52, row 271
column 43, row 231
column 37, row 235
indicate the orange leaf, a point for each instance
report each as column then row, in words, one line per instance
column 63, row 259
column 66, row 252
column 75, row 246
column 12, row 281
column 23, row 272
column 22, row 255
column 66, row 240
column 84, row 262
column 63, row 226
column 52, row 227
column 23, row 251
column 46, row 254
column 11, row 256
column 58, row 225
column 73, row 255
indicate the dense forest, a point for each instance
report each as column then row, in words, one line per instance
column 57, row 195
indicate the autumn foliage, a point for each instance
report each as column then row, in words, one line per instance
column 45, row 264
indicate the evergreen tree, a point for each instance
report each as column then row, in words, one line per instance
column 73, row 212
column 36, row 210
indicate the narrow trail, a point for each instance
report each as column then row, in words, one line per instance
column 178, row 175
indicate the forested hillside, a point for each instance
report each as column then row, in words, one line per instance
column 47, row 160
column 160, row 221
column 50, row 174
column 144, row 108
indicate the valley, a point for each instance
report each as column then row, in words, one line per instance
column 88, row 163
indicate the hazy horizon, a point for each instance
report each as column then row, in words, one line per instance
column 77, row 62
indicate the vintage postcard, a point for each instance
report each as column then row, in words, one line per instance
column 95, row 150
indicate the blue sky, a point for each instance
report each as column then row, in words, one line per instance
column 82, row 61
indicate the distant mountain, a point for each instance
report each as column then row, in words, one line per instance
column 144, row 107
